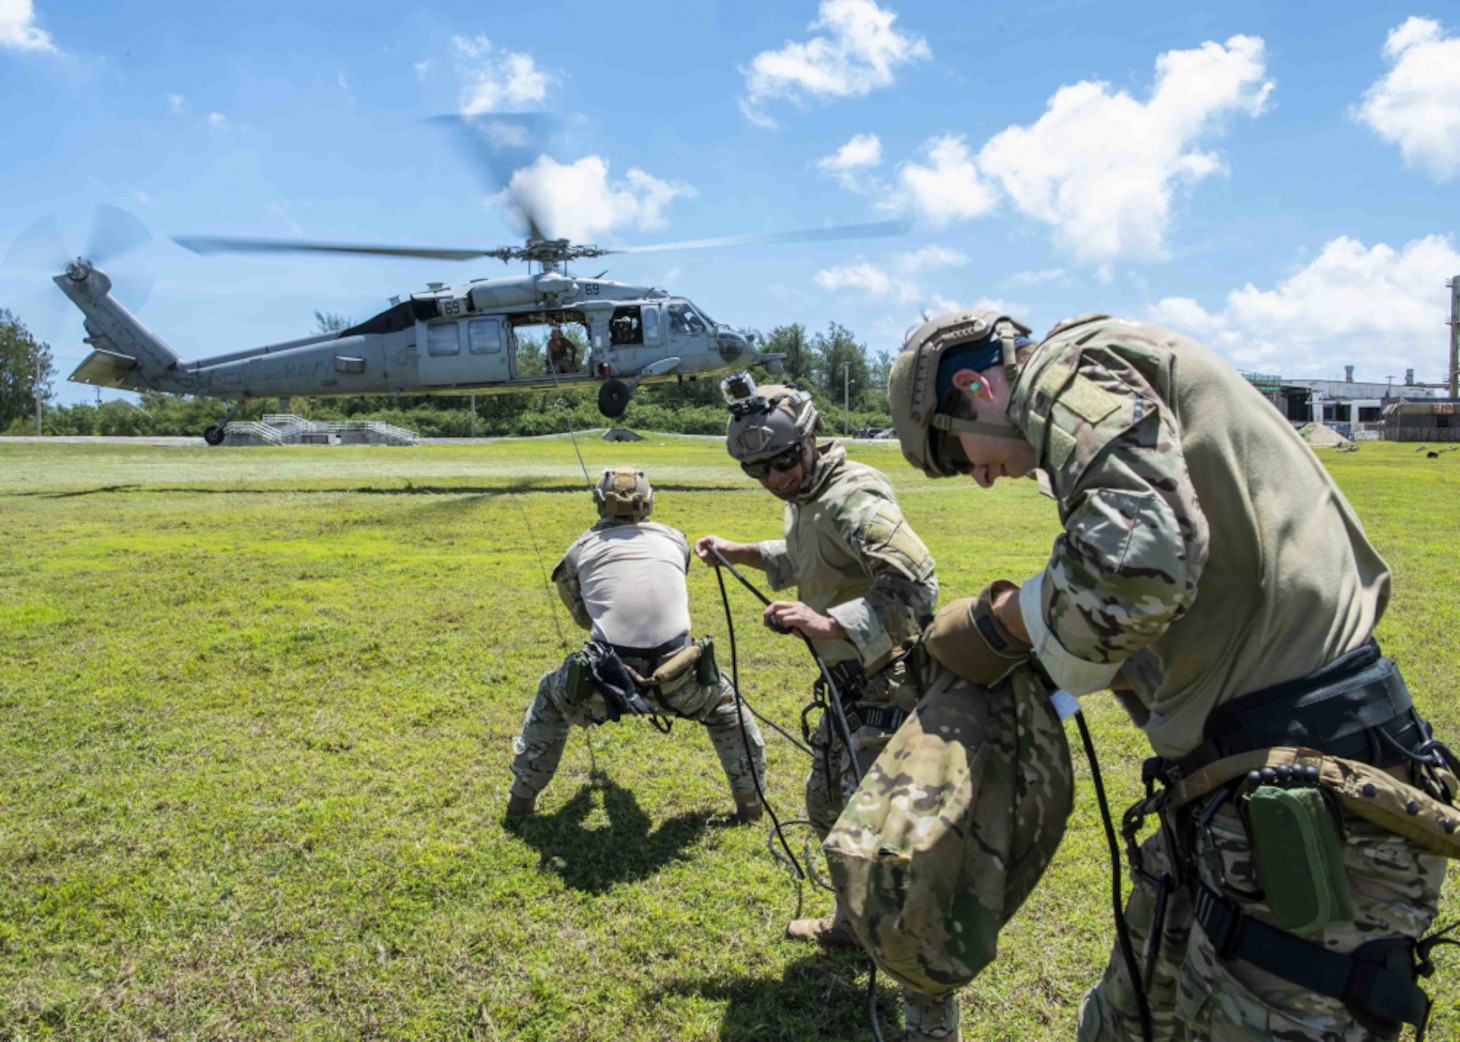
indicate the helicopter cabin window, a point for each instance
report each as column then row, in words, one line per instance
column 650, row 315
column 626, row 327
column 684, row 319
column 442, row 338
column 484, row 336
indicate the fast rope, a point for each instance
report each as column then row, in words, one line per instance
column 568, row 420
column 1122, row 929
column 838, row 714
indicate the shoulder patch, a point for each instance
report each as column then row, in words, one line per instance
column 1088, row 400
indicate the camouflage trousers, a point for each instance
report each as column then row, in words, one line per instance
column 1195, row 995
column 539, row 746
column 832, row 779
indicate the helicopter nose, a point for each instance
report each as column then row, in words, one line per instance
column 731, row 345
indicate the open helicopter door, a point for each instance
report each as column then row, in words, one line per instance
column 463, row 352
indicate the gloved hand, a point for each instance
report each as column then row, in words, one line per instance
column 968, row 639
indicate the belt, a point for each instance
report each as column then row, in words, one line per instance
column 651, row 655
column 1340, row 710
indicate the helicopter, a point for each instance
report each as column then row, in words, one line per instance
column 461, row 340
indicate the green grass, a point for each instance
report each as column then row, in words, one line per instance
column 256, row 708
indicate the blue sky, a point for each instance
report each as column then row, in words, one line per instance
column 1279, row 180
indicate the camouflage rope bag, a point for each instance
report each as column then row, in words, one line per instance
column 952, row 827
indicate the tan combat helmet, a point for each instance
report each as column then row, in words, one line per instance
column 624, row 495
column 925, row 409
column 766, row 422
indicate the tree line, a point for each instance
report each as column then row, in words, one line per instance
column 832, row 364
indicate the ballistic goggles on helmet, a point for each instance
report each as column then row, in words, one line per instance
column 927, row 410
column 788, row 460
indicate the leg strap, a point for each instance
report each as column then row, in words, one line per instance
column 1376, row 981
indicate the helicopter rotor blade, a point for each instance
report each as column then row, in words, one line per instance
column 114, row 232
column 877, row 229
column 224, row 244
column 498, row 144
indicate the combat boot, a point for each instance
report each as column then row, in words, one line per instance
column 521, row 806
column 929, row 1018
column 748, row 808
column 832, row 931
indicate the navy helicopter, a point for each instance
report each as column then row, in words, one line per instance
column 457, row 340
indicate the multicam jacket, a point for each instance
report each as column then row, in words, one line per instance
column 1206, row 552
column 853, row 556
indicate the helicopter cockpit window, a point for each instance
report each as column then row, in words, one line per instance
column 442, row 338
column 484, row 336
column 684, row 319
column 626, row 327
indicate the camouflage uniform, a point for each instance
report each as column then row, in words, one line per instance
column 539, row 746
column 1206, row 554
column 852, row 556
column 950, row 830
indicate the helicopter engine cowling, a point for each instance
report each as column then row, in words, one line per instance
column 556, row 285
column 502, row 293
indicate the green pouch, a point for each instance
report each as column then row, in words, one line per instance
column 707, row 674
column 580, row 679
column 1299, row 860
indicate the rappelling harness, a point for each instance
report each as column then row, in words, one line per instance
column 1288, row 759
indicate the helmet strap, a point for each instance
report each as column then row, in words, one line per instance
column 944, row 422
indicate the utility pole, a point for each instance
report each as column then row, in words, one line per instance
column 473, row 416
column 37, row 393
column 1454, row 381
column 846, row 399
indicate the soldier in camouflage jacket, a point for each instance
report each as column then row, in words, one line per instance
column 864, row 583
column 1212, row 573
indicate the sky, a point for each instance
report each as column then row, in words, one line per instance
column 1278, row 180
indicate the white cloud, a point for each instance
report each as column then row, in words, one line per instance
column 1378, row 308
column 177, row 104
column 344, row 84
column 847, row 163
column 1035, row 278
column 896, row 284
column 948, row 188
column 423, row 69
column 143, row 198
column 578, row 201
column 495, row 79
column 858, row 54
column 17, row 28
column 217, row 119
column 1417, row 104
column 1101, row 167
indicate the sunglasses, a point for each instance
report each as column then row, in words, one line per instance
column 788, row 460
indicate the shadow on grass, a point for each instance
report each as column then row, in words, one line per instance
column 596, row 859
column 819, row 996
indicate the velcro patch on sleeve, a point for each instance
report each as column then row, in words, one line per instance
column 1088, row 400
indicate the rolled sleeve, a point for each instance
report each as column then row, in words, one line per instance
column 864, row 629
column 779, row 572
column 1076, row 675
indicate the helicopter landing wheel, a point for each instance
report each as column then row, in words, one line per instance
column 613, row 398
column 214, row 435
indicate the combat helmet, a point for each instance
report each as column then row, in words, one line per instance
column 769, row 421
column 926, row 408
column 623, row 494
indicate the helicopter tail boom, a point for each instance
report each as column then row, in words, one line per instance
column 126, row 354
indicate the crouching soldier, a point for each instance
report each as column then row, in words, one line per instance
column 1211, row 570
column 623, row 580
column 864, row 583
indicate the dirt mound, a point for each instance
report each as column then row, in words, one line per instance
column 1322, row 436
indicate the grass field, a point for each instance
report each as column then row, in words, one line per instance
column 256, row 708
